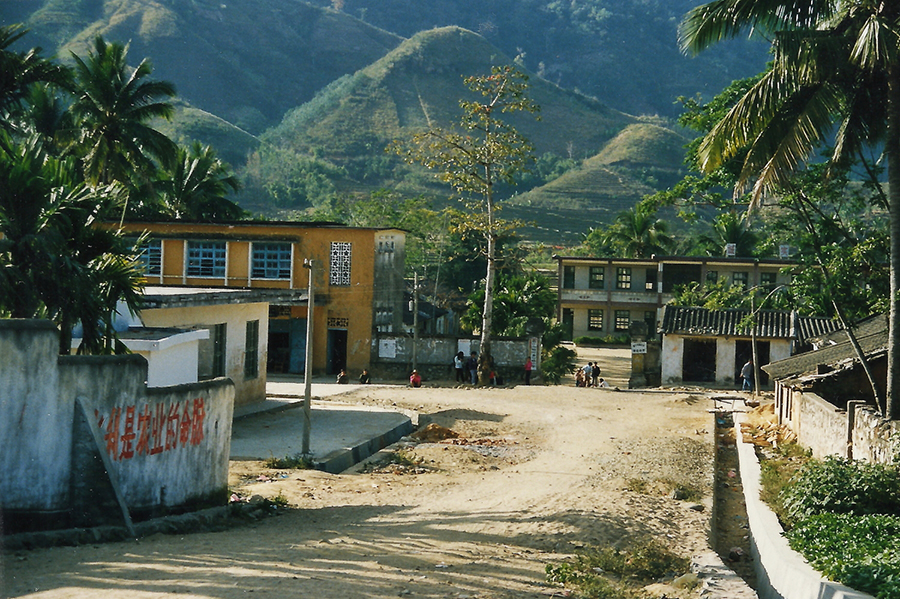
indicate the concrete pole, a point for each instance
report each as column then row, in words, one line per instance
column 307, row 370
column 415, row 352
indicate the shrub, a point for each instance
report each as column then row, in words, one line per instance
column 841, row 486
column 297, row 461
column 622, row 339
column 557, row 362
column 862, row 552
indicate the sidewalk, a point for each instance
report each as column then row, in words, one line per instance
column 340, row 434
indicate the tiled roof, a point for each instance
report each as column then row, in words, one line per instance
column 770, row 324
column 872, row 335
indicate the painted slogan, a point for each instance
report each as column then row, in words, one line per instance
column 153, row 429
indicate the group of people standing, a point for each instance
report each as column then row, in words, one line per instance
column 589, row 376
column 466, row 368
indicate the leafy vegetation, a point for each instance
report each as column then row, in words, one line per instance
column 862, row 552
column 556, row 362
column 611, row 573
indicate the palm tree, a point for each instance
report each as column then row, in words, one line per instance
column 835, row 72
column 20, row 71
column 730, row 228
column 196, row 184
column 113, row 107
column 54, row 263
column 638, row 233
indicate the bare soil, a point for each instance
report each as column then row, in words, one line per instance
column 533, row 475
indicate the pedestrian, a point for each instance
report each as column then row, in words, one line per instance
column 595, row 374
column 342, row 378
column 459, row 363
column 364, row 378
column 747, row 375
column 415, row 380
column 528, row 367
column 472, row 365
column 588, row 371
column 579, row 377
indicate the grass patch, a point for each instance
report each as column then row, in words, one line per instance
column 777, row 467
column 611, row 573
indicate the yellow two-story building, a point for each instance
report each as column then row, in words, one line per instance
column 357, row 279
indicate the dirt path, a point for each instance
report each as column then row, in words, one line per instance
column 542, row 472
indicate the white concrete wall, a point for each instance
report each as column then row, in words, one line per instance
column 168, row 446
column 174, row 365
column 725, row 361
column 35, row 423
column 672, row 358
column 235, row 317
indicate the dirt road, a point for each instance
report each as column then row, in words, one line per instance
column 541, row 472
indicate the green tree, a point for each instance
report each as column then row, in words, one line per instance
column 20, row 72
column 730, row 228
column 113, row 107
column 520, row 301
column 638, row 233
column 53, row 262
column 195, row 186
column 834, row 63
column 483, row 151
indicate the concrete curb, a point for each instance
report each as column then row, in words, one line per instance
column 342, row 459
column 781, row 572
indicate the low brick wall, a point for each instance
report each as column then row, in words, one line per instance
column 822, row 426
column 875, row 439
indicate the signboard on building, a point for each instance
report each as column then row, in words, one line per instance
column 387, row 348
column 731, row 250
column 639, row 347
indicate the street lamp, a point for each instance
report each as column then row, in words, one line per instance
column 308, row 263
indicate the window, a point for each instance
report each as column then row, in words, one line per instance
column 271, row 261
column 650, row 319
column 206, row 259
column 623, row 278
column 596, row 280
column 623, row 320
column 650, row 280
column 767, row 279
column 149, row 257
column 595, row 320
column 568, row 277
column 740, row 278
column 251, row 350
column 712, row 276
column 340, row 263
column 218, row 358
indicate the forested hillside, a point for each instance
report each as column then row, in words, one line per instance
column 303, row 97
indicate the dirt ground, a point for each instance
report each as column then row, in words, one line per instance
column 536, row 474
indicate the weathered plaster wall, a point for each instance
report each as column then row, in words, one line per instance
column 168, row 447
column 725, row 361
column 35, row 423
column 822, row 427
column 672, row 358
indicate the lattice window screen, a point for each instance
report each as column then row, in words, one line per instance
column 340, row 263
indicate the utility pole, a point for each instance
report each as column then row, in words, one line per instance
column 307, row 370
column 415, row 303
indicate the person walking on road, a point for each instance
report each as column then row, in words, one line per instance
column 528, row 368
column 747, row 375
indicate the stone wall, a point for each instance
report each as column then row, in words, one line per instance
column 78, row 430
column 822, row 426
column 827, row 429
column 434, row 356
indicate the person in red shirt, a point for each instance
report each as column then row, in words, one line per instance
column 414, row 379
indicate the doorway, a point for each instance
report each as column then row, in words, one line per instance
column 337, row 351
column 699, row 361
column 743, row 351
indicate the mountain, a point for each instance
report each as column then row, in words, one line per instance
column 246, row 61
column 420, row 84
column 623, row 52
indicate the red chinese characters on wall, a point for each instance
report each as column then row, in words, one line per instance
column 152, row 429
